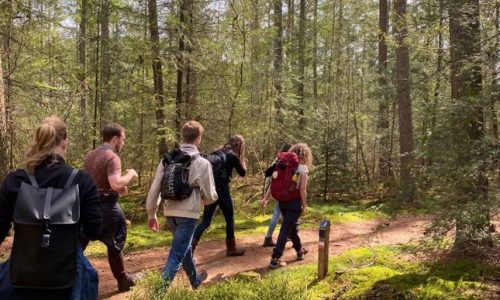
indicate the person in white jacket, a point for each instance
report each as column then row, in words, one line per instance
column 182, row 215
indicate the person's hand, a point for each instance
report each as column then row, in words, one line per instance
column 132, row 172
column 123, row 191
column 304, row 210
column 153, row 224
column 263, row 202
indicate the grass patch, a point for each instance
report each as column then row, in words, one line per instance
column 363, row 273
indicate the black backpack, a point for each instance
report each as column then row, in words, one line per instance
column 175, row 181
column 218, row 159
column 44, row 250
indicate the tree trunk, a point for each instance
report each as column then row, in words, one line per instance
column 495, row 88
column 157, row 77
column 404, row 102
column 315, row 53
column 180, row 65
column 278, row 61
column 191, row 93
column 384, row 164
column 82, row 75
column 473, row 221
column 4, row 138
column 105, row 64
column 302, row 63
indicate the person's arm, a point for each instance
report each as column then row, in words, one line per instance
column 269, row 171
column 303, row 191
column 90, row 217
column 264, row 200
column 154, row 199
column 238, row 164
column 118, row 182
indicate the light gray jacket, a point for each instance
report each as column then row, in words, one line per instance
column 200, row 176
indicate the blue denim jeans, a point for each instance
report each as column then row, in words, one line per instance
column 274, row 220
column 180, row 251
column 225, row 202
column 291, row 212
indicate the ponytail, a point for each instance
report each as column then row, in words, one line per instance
column 47, row 136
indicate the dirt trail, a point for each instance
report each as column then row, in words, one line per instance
column 211, row 254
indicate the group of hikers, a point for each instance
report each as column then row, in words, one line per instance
column 57, row 210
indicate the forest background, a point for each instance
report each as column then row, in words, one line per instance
column 398, row 99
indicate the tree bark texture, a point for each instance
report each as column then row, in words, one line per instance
column 4, row 139
column 404, row 101
column 105, row 63
column 157, row 77
column 473, row 220
column 278, row 61
column 384, row 164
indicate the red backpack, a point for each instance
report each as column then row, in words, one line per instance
column 283, row 186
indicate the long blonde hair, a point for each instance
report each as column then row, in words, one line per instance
column 47, row 136
column 304, row 153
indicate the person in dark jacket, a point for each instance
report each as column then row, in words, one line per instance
column 234, row 151
column 45, row 160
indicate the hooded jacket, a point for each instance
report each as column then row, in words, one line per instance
column 200, row 177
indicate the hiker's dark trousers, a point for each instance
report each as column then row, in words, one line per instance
column 113, row 233
column 225, row 202
column 291, row 212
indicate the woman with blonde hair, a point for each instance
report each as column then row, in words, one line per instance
column 231, row 156
column 292, row 210
column 46, row 169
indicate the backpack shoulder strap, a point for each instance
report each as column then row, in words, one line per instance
column 71, row 178
column 32, row 179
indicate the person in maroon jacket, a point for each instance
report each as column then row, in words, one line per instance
column 104, row 165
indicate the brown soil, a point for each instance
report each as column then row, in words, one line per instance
column 211, row 255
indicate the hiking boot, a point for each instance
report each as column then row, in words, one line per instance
column 232, row 250
column 302, row 253
column 276, row 263
column 128, row 281
column 268, row 242
column 203, row 276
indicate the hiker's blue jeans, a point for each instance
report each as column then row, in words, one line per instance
column 180, row 251
column 291, row 212
column 274, row 220
column 225, row 202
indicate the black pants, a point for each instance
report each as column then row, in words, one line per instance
column 113, row 233
column 291, row 212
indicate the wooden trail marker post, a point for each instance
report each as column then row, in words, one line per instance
column 323, row 247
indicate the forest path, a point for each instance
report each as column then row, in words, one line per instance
column 211, row 255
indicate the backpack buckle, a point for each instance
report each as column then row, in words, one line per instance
column 46, row 238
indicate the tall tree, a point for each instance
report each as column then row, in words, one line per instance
column 157, row 76
column 384, row 164
column 472, row 220
column 82, row 74
column 105, row 63
column 278, row 60
column 180, row 61
column 4, row 168
column 302, row 63
column 404, row 101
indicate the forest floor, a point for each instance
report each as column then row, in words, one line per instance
column 211, row 255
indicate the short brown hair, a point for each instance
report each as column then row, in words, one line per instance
column 111, row 130
column 191, row 131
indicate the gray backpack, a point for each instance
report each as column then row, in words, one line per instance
column 45, row 236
